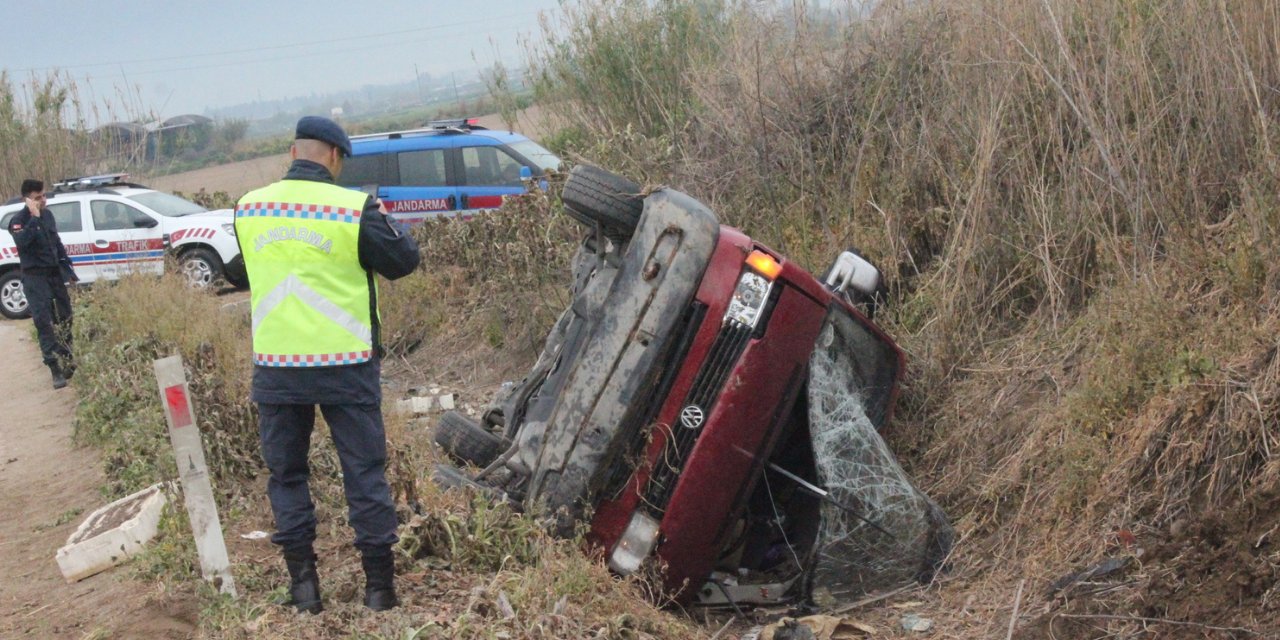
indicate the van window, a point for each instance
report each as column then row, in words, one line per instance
column 67, row 216
column 358, row 171
column 490, row 166
column 422, row 168
column 114, row 216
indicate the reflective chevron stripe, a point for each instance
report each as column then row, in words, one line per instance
column 292, row 286
column 311, row 360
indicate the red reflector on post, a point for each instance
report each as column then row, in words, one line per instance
column 179, row 408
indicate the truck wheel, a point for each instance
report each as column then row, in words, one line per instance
column 13, row 300
column 201, row 267
column 466, row 441
column 592, row 195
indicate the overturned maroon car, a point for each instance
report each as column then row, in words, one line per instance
column 711, row 412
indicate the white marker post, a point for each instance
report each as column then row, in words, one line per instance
column 189, row 452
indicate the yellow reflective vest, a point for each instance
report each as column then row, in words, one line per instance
column 312, row 301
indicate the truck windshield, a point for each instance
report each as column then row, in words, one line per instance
column 166, row 204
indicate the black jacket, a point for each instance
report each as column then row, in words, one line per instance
column 384, row 248
column 40, row 249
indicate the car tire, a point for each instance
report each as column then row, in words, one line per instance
column 466, row 441
column 200, row 267
column 13, row 300
column 449, row 477
column 594, row 196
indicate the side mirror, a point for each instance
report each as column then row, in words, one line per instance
column 525, row 173
column 144, row 222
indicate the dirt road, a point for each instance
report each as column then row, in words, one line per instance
column 47, row 487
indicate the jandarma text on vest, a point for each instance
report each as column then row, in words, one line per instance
column 301, row 234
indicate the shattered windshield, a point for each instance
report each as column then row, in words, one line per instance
column 878, row 531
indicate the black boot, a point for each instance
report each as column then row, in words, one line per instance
column 379, row 579
column 304, row 582
column 59, row 380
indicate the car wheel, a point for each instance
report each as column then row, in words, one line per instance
column 466, row 441
column 452, row 478
column 592, row 195
column 13, row 300
column 200, row 267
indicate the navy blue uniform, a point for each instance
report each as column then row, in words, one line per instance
column 45, row 269
column 350, row 400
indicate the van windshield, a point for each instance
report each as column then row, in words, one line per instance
column 537, row 154
column 167, row 205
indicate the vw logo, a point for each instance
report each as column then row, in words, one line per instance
column 691, row 416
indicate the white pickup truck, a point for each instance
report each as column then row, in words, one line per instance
column 111, row 227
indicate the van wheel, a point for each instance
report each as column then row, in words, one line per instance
column 594, row 196
column 13, row 300
column 452, row 477
column 200, row 267
column 466, row 441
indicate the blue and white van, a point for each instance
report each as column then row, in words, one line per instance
column 449, row 168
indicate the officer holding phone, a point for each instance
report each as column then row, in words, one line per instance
column 45, row 270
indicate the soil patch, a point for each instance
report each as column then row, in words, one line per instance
column 48, row 485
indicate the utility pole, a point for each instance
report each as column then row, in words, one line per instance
column 417, row 76
column 454, row 78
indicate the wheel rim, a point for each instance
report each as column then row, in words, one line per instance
column 13, row 297
column 198, row 271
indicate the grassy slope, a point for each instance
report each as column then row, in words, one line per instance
column 1076, row 204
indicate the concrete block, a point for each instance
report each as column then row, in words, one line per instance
column 414, row 406
column 446, row 402
column 112, row 534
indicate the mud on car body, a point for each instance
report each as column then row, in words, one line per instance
column 712, row 412
column 111, row 227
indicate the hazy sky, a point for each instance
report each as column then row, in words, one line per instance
column 181, row 56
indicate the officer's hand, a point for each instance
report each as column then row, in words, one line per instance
column 382, row 206
column 33, row 206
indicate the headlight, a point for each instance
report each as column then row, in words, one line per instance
column 635, row 544
column 752, row 292
column 229, row 227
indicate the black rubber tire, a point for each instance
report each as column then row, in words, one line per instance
column 452, row 478
column 592, row 195
column 14, row 305
column 201, row 267
column 466, row 441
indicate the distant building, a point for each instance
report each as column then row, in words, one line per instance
column 147, row 140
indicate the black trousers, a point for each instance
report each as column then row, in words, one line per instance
column 360, row 439
column 51, row 311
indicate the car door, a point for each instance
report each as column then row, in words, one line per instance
column 75, row 236
column 420, row 185
column 487, row 173
column 125, row 239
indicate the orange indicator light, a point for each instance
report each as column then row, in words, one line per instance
column 764, row 264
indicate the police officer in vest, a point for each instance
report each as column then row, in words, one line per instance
column 311, row 249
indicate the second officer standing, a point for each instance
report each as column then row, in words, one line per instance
column 312, row 249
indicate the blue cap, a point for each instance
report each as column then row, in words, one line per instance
column 324, row 130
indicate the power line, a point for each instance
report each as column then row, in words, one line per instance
column 189, row 56
column 300, row 56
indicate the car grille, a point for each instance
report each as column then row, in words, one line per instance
column 683, row 334
column 724, row 354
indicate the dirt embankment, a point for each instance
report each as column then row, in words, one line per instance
column 48, row 486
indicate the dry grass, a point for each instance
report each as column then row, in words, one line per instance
column 1075, row 202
